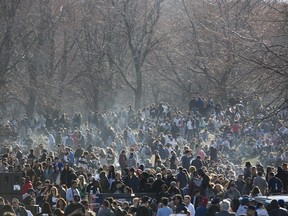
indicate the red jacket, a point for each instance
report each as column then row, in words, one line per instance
column 26, row 186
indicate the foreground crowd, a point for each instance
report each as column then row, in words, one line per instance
column 189, row 163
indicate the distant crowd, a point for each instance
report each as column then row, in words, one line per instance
column 208, row 160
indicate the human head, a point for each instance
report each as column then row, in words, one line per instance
column 159, row 176
column 165, row 201
column 164, row 187
column 31, row 192
column 15, row 203
column 32, row 202
column 46, row 208
column 285, row 166
column 169, row 172
column 215, row 201
column 173, row 184
column 85, row 204
column 281, row 203
column 187, row 199
column 144, row 199
column 192, row 169
column 248, row 164
column 76, row 199
column 225, row 205
column 2, row 201
column 178, row 199
column 204, row 201
column 8, row 210
column 274, row 204
column 233, row 186
column 74, row 184
column 54, row 190
column 245, row 201
column 61, row 203
column 135, row 201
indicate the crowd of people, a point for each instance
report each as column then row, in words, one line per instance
column 194, row 162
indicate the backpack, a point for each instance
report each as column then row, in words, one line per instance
column 195, row 185
column 277, row 186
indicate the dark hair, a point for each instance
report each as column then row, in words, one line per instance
column 46, row 208
column 106, row 203
column 58, row 212
column 7, row 209
column 58, row 201
column 165, row 200
column 165, row 186
column 178, row 196
column 85, row 202
column 110, row 200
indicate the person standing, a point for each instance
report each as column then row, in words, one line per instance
column 51, row 140
column 105, row 210
column 165, row 210
column 19, row 210
column 260, row 182
column 123, row 160
column 72, row 191
column 75, row 207
column 275, row 185
column 189, row 205
column 143, row 209
column 202, row 209
column 180, row 207
column 224, row 209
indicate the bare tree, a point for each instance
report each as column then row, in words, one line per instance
column 139, row 30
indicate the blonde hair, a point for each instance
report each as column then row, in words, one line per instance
column 82, row 177
column 192, row 169
column 218, row 185
column 56, row 191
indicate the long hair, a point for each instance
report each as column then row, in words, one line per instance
column 61, row 200
column 46, row 208
column 56, row 191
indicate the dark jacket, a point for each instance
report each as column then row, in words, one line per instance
column 225, row 213
column 67, row 176
column 181, row 209
column 212, row 210
column 275, row 185
column 134, row 183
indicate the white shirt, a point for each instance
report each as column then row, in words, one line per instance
column 191, row 209
column 262, row 212
column 189, row 125
column 242, row 210
column 29, row 213
column 71, row 192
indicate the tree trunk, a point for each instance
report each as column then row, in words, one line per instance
column 139, row 86
column 138, row 96
column 30, row 107
column 95, row 100
column 32, row 71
